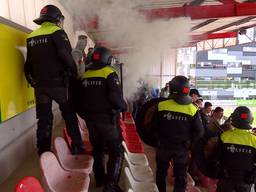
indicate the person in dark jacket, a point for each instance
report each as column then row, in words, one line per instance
column 179, row 126
column 237, row 152
column 100, row 103
column 49, row 68
column 206, row 114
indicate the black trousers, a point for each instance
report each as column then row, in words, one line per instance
column 44, row 98
column 106, row 136
column 229, row 185
column 163, row 158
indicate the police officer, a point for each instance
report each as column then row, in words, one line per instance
column 100, row 103
column 49, row 68
column 238, row 153
column 179, row 126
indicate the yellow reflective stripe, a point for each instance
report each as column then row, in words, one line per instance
column 239, row 137
column 45, row 29
column 171, row 105
column 103, row 72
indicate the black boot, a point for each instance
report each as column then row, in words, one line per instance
column 114, row 167
column 111, row 187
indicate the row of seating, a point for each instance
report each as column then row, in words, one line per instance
column 65, row 172
column 138, row 174
column 61, row 171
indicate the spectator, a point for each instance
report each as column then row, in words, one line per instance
column 206, row 114
column 79, row 54
column 165, row 91
column 89, row 56
column 215, row 121
column 199, row 103
column 194, row 94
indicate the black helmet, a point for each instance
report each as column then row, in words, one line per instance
column 242, row 118
column 179, row 90
column 49, row 13
column 101, row 56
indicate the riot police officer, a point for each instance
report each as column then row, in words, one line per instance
column 49, row 68
column 179, row 125
column 100, row 101
column 238, row 154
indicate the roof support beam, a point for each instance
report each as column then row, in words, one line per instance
column 203, row 24
column 228, row 1
column 203, row 12
column 194, row 39
column 213, row 36
column 196, row 2
column 242, row 21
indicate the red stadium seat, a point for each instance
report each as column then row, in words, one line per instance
column 135, row 147
column 208, row 183
column 128, row 115
column 130, row 127
column 28, row 184
column 87, row 143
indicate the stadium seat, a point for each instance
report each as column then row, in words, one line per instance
column 136, row 158
column 28, row 184
column 140, row 173
column 81, row 163
column 87, row 143
column 206, row 182
column 56, row 179
column 135, row 147
column 128, row 115
column 139, row 186
column 130, row 127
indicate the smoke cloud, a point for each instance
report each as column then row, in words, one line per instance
column 125, row 27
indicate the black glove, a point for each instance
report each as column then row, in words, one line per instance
column 33, row 84
column 31, row 81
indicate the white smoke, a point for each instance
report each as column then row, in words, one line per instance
column 125, row 26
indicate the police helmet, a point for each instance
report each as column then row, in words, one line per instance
column 179, row 90
column 242, row 118
column 102, row 56
column 49, row 13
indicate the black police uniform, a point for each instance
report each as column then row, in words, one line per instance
column 100, row 103
column 238, row 158
column 179, row 126
column 48, row 68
